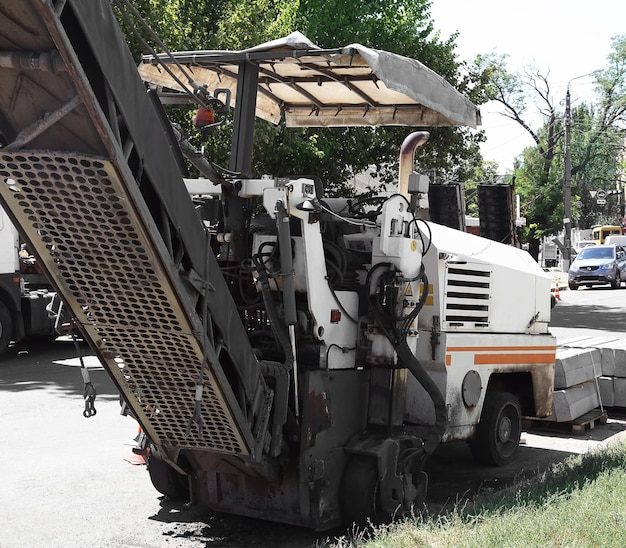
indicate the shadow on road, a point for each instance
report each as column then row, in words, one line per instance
column 455, row 477
column 53, row 366
column 582, row 316
column 223, row 530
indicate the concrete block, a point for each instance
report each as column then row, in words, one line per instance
column 575, row 366
column 619, row 391
column 608, row 361
column 606, row 346
column 607, row 391
column 577, row 342
column 570, row 403
column 619, row 349
column 586, row 341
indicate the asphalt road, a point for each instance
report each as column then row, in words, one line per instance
column 590, row 311
column 64, row 478
column 65, row 481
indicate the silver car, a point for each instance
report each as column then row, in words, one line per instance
column 598, row 265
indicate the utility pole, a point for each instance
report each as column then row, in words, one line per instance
column 567, row 178
column 567, row 186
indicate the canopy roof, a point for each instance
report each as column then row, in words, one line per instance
column 310, row 86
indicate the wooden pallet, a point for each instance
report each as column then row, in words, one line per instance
column 578, row 426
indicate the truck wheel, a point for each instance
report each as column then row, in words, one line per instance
column 6, row 327
column 166, row 480
column 359, row 490
column 499, row 429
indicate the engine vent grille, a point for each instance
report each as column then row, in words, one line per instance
column 467, row 297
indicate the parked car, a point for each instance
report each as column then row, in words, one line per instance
column 598, row 265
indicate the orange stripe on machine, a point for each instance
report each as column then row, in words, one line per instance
column 503, row 355
column 492, row 359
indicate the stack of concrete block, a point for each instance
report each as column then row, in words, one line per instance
column 614, row 382
column 576, row 387
column 611, row 380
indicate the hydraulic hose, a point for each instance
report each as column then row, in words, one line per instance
column 408, row 360
column 275, row 322
column 279, row 371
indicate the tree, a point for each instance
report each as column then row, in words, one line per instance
column 596, row 132
column 179, row 24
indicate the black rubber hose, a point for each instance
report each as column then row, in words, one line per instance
column 280, row 371
column 408, row 360
column 275, row 322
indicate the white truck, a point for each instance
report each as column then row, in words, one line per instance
column 25, row 292
column 550, row 253
column 288, row 356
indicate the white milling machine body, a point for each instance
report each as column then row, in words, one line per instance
column 483, row 329
column 288, row 356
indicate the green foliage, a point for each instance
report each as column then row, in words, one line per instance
column 179, row 24
column 248, row 23
column 496, row 82
column 596, row 157
column 541, row 194
column 596, row 143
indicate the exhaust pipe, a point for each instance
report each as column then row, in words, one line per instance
column 407, row 158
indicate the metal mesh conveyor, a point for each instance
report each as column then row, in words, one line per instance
column 89, row 178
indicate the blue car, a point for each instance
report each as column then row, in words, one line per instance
column 598, row 265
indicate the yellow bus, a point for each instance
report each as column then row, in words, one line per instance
column 599, row 233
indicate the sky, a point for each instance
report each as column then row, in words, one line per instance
column 568, row 38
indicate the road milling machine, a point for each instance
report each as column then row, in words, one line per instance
column 289, row 356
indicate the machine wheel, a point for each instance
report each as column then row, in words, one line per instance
column 498, row 432
column 359, row 490
column 166, row 480
column 572, row 286
column 6, row 327
column 617, row 282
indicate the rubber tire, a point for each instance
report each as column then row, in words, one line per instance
column 573, row 287
column 499, row 430
column 359, row 491
column 6, row 328
column 166, row 480
column 618, row 281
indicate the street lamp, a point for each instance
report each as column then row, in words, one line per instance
column 567, row 178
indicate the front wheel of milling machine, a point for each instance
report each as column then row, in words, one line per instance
column 499, row 430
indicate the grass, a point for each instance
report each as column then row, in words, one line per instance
column 578, row 503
